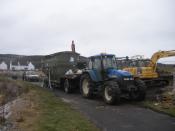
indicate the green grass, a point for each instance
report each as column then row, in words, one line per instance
column 55, row 115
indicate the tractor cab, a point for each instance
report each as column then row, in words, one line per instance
column 102, row 61
column 104, row 66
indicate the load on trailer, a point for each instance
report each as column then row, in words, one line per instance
column 102, row 78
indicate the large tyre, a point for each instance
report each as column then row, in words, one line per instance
column 140, row 93
column 67, row 86
column 86, row 86
column 111, row 94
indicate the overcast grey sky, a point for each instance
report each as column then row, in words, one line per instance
column 122, row 27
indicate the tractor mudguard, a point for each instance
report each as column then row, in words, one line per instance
column 94, row 75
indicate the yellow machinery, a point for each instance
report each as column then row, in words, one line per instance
column 149, row 71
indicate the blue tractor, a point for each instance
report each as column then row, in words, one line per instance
column 102, row 77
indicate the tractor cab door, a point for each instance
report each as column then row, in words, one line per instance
column 95, row 66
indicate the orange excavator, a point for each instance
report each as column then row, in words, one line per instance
column 149, row 72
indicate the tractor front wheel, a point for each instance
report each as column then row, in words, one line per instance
column 111, row 93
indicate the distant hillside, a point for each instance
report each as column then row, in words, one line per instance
column 36, row 60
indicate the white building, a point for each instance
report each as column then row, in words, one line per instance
column 31, row 66
column 3, row 66
column 28, row 66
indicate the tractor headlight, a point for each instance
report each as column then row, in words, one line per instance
column 113, row 76
column 126, row 79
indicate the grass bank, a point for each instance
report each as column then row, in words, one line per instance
column 59, row 116
column 40, row 110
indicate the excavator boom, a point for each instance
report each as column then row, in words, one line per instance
column 160, row 54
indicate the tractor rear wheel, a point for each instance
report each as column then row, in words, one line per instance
column 86, row 86
column 111, row 94
column 140, row 93
column 67, row 86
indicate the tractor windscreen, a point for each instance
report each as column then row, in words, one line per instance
column 109, row 62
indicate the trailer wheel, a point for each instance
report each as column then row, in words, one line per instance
column 67, row 86
column 140, row 93
column 111, row 94
column 86, row 86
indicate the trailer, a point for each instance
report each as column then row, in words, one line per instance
column 63, row 70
